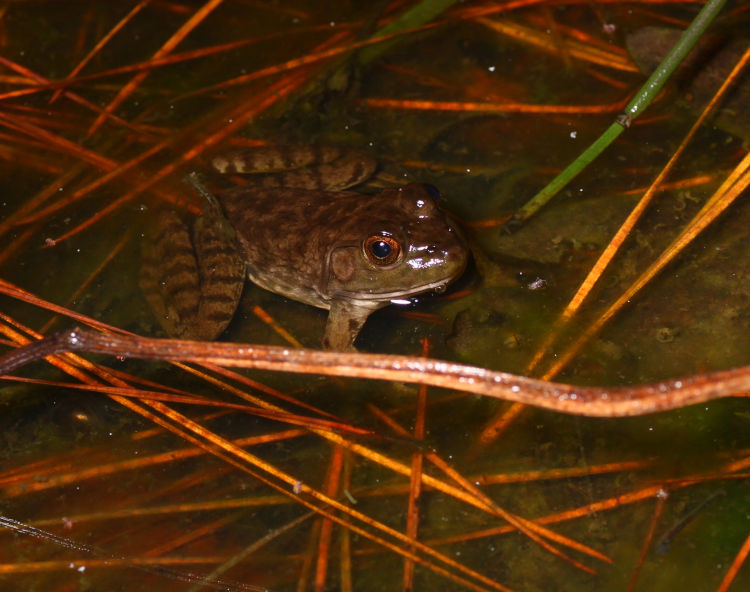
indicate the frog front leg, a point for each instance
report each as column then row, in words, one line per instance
column 344, row 323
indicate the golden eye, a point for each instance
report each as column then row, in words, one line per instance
column 382, row 250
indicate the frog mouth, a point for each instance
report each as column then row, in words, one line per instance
column 396, row 297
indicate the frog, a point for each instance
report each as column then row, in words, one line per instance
column 297, row 230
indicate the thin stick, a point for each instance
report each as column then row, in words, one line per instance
column 564, row 398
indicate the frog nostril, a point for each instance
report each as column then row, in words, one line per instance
column 433, row 191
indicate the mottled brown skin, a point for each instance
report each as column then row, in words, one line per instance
column 192, row 277
column 308, row 244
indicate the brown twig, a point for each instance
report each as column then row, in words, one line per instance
column 564, row 398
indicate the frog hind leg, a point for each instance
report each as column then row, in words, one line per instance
column 345, row 171
column 169, row 276
column 302, row 166
column 222, row 276
column 343, row 326
column 191, row 281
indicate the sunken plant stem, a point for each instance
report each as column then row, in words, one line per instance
column 564, row 398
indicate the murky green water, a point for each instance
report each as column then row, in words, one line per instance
column 198, row 508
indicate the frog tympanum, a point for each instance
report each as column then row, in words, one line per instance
column 297, row 234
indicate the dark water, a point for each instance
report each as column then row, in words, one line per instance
column 62, row 446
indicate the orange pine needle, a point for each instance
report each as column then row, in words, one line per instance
column 237, row 119
column 40, row 84
column 18, row 242
column 567, row 473
column 345, row 542
column 707, row 214
column 681, row 184
column 581, row 512
column 474, row 12
column 144, row 395
column 415, row 481
column 735, row 567
column 426, row 317
column 306, row 60
column 114, row 173
column 661, row 499
column 19, row 293
column 495, row 427
column 492, row 107
column 197, row 434
column 101, row 43
column 542, row 40
column 71, row 95
column 114, row 562
column 15, row 485
column 730, row 190
column 165, row 49
column 507, row 478
column 330, row 488
column 63, row 145
column 92, row 276
column 242, row 379
column 36, row 201
column 190, row 536
column 470, row 494
column 271, row 322
column 489, row 223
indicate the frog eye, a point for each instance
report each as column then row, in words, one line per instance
column 381, row 249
